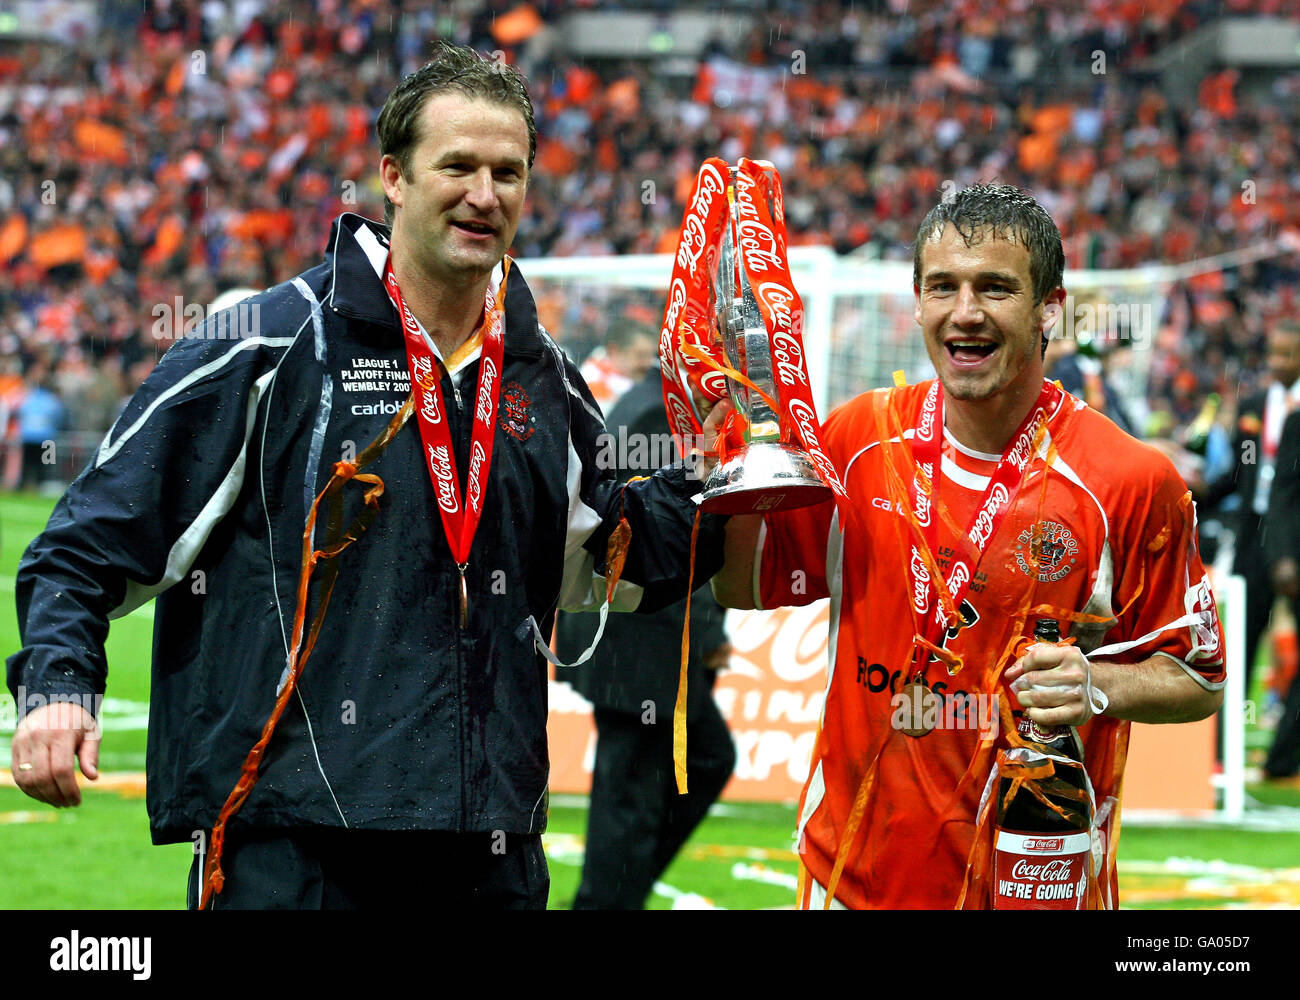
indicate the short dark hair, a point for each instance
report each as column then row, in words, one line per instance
column 1010, row 214
column 623, row 334
column 453, row 69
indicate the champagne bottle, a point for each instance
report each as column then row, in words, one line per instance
column 1042, row 854
column 1198, row 431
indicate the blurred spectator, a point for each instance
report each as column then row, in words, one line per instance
column 1260, row 419
column 1080, row 373
column 194, row 146
column 631, row 349
column 40, row 420
column 1283, row 556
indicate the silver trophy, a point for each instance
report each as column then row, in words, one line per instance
column 767, row 474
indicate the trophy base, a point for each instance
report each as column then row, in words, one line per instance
column 764, row 476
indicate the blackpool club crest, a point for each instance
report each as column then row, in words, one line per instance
column 1048, row 545
column 515, row 419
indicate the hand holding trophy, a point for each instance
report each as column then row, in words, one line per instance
column 733, row 325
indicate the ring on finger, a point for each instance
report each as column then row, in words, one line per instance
column 26, row 765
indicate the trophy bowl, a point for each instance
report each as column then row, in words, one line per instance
column 764, row 476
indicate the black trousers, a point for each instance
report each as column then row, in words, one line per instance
column 337, row 869
column 1284, row 755
column 637, row 821
column 1259, row 610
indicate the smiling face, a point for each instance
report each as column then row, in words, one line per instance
column 635, row 358
column 982, row 328
column 1284, row 352
column 457, row 209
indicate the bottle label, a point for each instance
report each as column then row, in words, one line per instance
column 1031, row 730
column 1041, row 871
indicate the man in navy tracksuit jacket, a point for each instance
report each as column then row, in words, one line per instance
column 402, row 720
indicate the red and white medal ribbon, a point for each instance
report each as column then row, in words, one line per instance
column 1004, row 486
column 460, row 518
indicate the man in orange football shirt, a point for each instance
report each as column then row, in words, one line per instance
column 1025, row 504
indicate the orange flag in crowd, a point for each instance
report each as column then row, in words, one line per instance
column 517, row 25
column 13, row 237
column 98, row 140
column 60, row 245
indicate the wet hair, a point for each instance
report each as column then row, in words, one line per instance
column 454, row 69
column 1007, row 213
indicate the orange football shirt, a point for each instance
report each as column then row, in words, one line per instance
column 1103, row 539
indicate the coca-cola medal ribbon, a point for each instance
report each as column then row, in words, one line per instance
column 460, row 518
column 1004, row 485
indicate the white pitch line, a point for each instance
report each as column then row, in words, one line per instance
column 685, row 900
column 762, row 873
column 27, row 816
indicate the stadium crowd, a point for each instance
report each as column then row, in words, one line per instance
column 197, row 145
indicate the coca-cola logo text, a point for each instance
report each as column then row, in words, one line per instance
column 681, row 418
column 789, row 360
column 409, row 322
column 713, row 384
column 1043, row 845
column 925, row 432
column 983, row 526
column 1057, row 870
column 486, row 386
column 428, row 392
column 921, row 482
column 440, row 465
column 805, row 419
column 779, row 299
column 920, row 582
column 476, row 457
column 759, row 246
column 958, row 578
column 745, row 207
column 1020, row 452
column 676, row 300
column 694, row 232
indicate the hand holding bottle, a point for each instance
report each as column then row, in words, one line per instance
column 1053, row 683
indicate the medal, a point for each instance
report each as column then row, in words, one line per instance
column 918, row 713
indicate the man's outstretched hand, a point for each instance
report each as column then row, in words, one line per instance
column 711, row 431
column 49, row 739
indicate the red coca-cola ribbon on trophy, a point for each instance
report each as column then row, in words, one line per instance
column 734, row 323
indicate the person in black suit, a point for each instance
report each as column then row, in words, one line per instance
column 1259, row 426
column 1283, row 534
column 637, row 822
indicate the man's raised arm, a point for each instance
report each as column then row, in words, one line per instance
column 733, row 587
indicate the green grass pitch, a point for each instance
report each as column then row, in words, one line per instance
column 99, row 855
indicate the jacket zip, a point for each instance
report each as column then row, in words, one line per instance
column 459, row 657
